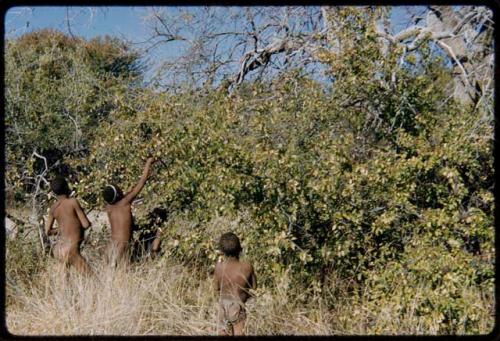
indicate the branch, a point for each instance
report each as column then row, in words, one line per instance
column 68, row 23
column 44, row 161
column 450, row 52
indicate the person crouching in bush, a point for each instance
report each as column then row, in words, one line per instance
column 71, row 220
column 119, row 212
column 232, row 280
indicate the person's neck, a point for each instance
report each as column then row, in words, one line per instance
column 234, row 258
column 62, row 196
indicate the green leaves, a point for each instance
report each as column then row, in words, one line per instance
column 56, row 96
column 374, row 178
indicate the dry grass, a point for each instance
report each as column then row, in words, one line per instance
column 160, row 297
column 140, row 300
column 153, row 298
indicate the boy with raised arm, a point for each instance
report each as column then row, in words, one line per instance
column 232, row 280
column 72, row 221
column 119, row 211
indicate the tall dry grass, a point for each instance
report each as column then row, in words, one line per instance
column 150, row 298
column 162, row 297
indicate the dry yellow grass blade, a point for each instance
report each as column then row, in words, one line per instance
column 161, row 297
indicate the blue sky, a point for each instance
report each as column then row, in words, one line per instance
column 126, row 22
column 85, row 21
column 123, row 21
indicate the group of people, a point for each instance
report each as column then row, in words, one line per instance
column 232, row 277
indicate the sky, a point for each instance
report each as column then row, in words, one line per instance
column 125, row 22
column 85, row 21
column 122, row 21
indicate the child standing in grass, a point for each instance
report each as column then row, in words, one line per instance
column 232, row 280
column 119, row 211
column 72, row 221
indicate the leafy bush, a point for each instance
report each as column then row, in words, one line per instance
column 321, row 194
column 437, row 285
column 57, row 89
column 373, row 178
column 23, row 260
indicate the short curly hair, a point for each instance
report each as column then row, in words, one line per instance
column 230, row 244
column 59, row 186
column 111, row 194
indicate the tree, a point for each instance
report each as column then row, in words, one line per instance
column 57, row 89
column 316, row 176
column 465, row 37
column 233, row 44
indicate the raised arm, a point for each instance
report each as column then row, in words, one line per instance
column 130, row 196
column 81, row 215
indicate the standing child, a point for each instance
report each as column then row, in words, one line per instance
column 232, row 280
column 119, row 211
column 72, row 221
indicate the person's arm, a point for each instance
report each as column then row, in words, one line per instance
column 253, row 280
column 49, row 223
column 130, row 196
column 81, row 215
column 216, row 282
column 156, row 242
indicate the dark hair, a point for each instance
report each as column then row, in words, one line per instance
column 59, row 186
column 230, row 244
column 111, row 194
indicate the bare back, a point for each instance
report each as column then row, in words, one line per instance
column 65, row 212
column 120, row 219
column 233, row 278
column 120, row 213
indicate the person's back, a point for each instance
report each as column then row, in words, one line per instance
column 233, row 279
column 119, row 210
column 120, row 219
column 65, row 213
column 71, row 220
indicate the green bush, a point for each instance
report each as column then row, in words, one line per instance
column 376, row 177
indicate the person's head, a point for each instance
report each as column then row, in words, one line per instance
column 59, row 186
column 230, row 244
column 111, row 194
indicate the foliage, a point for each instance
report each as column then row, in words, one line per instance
column 371, row 178
column 22, row 261
column 435, row 282
column 57, row 89
column 330, row 180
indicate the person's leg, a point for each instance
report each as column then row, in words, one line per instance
column 61, row 253
column 122, row 254
column 81, row 265
column 223, row 329
column 221, row 321
column 239, row 327
column 239, row 318
column 111, row 252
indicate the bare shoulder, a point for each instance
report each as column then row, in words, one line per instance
column 74, row 202
column 218, row 267
column 122, row 202
column 53, row 206
column 247, row 266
